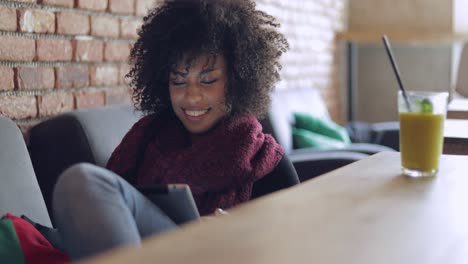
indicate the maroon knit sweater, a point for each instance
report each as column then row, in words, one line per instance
column 220, row 168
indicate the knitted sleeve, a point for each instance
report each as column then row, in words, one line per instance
column 124, row 158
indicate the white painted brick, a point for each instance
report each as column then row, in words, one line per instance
column 310, row 27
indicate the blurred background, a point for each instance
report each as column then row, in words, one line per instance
column 61, row 55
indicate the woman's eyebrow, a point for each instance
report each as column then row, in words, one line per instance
column 176, row 72
column 208, row 70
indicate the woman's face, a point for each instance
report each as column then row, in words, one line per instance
column 198, row 92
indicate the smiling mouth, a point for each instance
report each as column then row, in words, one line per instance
column 196, row 113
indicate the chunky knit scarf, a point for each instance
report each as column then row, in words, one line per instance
column 220, row 167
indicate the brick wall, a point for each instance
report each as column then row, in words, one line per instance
column 312, row 60
column 61, row 55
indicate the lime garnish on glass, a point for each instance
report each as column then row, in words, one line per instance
column 425, row 106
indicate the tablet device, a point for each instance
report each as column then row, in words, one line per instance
column 175, row 200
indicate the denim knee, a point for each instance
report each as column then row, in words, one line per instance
column 74, row 178
column 78, row 181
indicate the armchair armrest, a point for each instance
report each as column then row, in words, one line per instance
column 366, row 148
column 381, row 133
column 387, row 134
column 310, row 163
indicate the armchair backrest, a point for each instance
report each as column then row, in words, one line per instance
column 284, row 103
column 89, row 135
column 19, row 189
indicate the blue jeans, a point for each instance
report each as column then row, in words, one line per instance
column 96, row 210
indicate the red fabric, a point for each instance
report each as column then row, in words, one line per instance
column 36, row 248
column 220, row 167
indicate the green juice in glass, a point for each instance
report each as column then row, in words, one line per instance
column 421, row 140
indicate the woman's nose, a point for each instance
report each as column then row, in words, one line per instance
column 193, row 93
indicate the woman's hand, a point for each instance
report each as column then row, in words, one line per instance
column 216, row 213
column 220, row 211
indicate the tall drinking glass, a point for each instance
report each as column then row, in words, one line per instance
column 422, row 119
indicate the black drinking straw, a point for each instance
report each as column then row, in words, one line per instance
column 395, row 69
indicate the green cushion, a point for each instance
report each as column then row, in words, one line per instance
column 321, row 126
column 307, row 139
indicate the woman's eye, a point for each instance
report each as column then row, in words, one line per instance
column 209, row 81
column 177, row 83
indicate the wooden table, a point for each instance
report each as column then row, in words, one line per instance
column 366, row 212
column 456, row 137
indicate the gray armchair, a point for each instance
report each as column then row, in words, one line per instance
column 19, row 190
column 91, row 135
column 367, row 138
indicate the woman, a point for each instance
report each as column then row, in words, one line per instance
column 202, row 71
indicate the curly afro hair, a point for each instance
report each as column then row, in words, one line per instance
column 248, row 39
